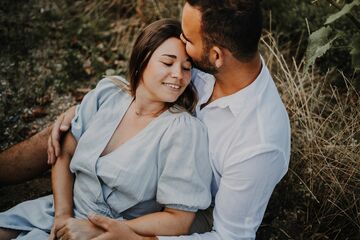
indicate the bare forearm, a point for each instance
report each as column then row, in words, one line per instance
column 167, row 223
column 63, row 179
column 25, row 160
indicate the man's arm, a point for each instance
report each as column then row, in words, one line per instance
column 28, row 159
column 168, row 222
column 244, row 191
column 25, row 160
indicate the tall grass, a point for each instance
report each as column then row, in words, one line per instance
column 325, row 162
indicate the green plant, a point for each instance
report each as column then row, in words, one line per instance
column 322, row 40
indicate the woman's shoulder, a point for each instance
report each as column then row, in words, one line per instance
column 185, row 122
column 113, row 82
column 111, row 86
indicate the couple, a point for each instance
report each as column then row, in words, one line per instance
column 247, row 124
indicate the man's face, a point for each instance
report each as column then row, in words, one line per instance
column 192, row 38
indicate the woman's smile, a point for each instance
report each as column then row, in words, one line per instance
column 172, row 86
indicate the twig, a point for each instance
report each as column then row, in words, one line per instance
column 304, row 185
column 347, row 215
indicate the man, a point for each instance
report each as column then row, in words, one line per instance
column 249, row 133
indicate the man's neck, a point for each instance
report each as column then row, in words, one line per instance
column 234, row 76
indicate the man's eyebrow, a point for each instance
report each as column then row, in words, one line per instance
column 183, row 34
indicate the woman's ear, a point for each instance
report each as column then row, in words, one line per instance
column 216, row 56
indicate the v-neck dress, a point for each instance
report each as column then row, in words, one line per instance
column 165, row 165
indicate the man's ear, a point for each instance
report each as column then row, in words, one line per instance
column 217, row 56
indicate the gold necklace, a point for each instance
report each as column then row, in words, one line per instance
column 139, row 114
column 154, row 114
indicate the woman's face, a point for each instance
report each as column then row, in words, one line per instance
column 167, row 73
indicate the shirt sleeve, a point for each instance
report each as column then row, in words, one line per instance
column 184, row 166
column 90, row 105
column 244, row 191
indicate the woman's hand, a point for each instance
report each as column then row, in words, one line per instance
column 78, row 229
column 59, row 223
column 61, row 125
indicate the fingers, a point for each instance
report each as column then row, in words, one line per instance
column 65, row 237
column 61, row 125
column 50, row 152
column 52, row 235
column 61, row 233
column 55, row 135
column 99, row 221
column 66, row 122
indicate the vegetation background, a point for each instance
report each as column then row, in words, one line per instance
column 53, row 52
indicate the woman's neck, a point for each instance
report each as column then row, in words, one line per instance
column 144, row 106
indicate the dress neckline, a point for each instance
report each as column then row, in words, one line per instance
column 137, row 135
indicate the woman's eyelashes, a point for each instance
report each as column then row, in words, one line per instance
column 184, row 67
column 169, row 64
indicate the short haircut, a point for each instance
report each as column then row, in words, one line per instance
column 232, row 24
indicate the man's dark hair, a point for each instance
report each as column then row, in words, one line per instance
column 232, row 24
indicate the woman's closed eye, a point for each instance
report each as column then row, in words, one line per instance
column 169, row 64
column 185, row 67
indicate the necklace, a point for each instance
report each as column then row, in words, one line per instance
column 154, row 114
column 139, row 114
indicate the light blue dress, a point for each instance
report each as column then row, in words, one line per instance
column 165, row 165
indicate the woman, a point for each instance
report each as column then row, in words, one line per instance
column 134, row 150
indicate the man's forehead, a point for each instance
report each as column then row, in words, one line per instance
column 191, row 20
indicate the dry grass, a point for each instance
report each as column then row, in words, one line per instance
column 325, row 145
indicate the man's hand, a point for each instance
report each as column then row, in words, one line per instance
column 115, row 230
column 61, row 125
column 77, row 229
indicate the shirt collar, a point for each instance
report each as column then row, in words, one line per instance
column 235, row 102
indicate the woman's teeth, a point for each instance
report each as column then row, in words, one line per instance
column 174, row 86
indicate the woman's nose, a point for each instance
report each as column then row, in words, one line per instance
column 177, row 72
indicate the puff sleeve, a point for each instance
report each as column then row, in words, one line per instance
column 91, row 104
column 184, row 166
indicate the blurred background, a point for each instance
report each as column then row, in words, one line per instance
column 53, row 52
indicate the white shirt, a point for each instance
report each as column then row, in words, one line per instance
column 249, row 142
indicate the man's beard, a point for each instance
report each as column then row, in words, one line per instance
column 204, row 64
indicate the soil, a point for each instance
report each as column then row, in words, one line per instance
column 45, row 67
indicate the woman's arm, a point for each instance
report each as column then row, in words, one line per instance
column 168, row 222
column 62, row 183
